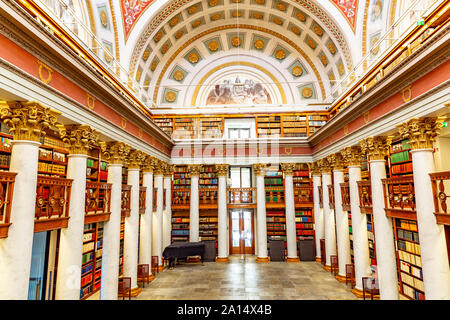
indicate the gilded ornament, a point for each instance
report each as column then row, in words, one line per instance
column 259, row 44
column 90, row 101
column 48, row 77
column 236, row 41
column 195, row 169
column 136, row 159
column 318, row 30
column 300, row 16
column 341, row 69
column 352, row 155
column 324, row 59
column 297, row 71
column 80, row 138
column 103, row 18
column 179, row 34
column 257, row 15
column 178, row 75
column 376, row 147
column 196, row 23
column 331, row 77
column 193, row 57
column 115, row 152
column 311, row 43
column 213, row 3
column 174, row 21
column 146, row 55
column 277, row 21
column 158, row 36
column 213, row 45
column 324, row 166
column 216, row 16
column 288, row 168
column 164, row 48
column 336, row 161
column 260, row 1
column 295, row 30
column 280, row 54
column 421, row 132
column 153, row 65
column 236, row 1
column 236, row 13
column 193, row 9
column 307, row 92
column 138, row 74
column 280, row 6
column 259, row 168
column 171, row 96
column 222, row 169
column 331, row 47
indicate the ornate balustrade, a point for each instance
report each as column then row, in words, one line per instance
column 303, row 196
column 98, row 202
column 6, row 194
column 345, row 195
column 399, row 197
column 208, row 198
column 331, row 196
column 438, row 183
column 142, row 199
column 320, row 196
column 126, row 201
column 52, row 203
column 365, row 196
column 181, row 198
column 275, row 197
column 241, row 197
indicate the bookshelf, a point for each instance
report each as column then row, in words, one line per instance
column 267, row 126
column 185, row 128
column 91, row 267
column 122, row 237
column 301, row 178
column 275, row 210
column 304, row 221
column 294, row 126
column 208, row 178
column 208, row 225
column 53, row 153
column 371, row 239
column 315, row 122
column 180, row 225
column 211, row 127
column 166, row 124
column 350, row 233
column 181, row 178
column 5, row 147
column 400, row 158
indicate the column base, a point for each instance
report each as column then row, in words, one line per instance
column 340, row 278
column 262, row 260
column 295, row 259
column 134, row 293
column 357, row 292
column 327, row 268
column 318, row 259
column 223, row 260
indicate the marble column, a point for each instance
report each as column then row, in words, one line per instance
column 352, row 156
column 328, row 214
column 194, row 203
column 342, row 232
column 262, row 255
column 222, row 214
column 115, row 153
column 27, row 121
column 68, row 281
column 130, row 243
column 157, row 241
column 433, row 247
column 318, row 211
column 291, row 237
column 376, row 149
column 167, row 214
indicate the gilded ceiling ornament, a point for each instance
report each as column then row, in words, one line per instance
column 278, row 21
column 103, row 18
column 315, row 169
column 49, row 71
column 257, row 15
column 80, row 138
column 222, row 169
column 331, row 47
column 297, row 71
column 331, row 77
column 287, row 150
column 352, row 155
column 366, row 116
column 295, row 30
column 153, row 65
column 307, row 92
column 236, row 13
column 179, row 34
column 324, row 166
column 421, row 132
column 341, row 69
column 170, row 96
column 124, row 123
column 324, row 60
column 300, row 16
column 280, row 54
column 260, row 1
column 216, row 16
column 138, row 74
column 236, row 41
column 213, row 3
column 136, row 159
column 178, row 75
column 158, row 36
column 376, row 147
column 174, row 21
column 168, row 169
column 406, row 94
column 259, row 44
column 146, row 55
column 90, row 101
column 28, row 120
column 280, row 6
column 346, row 129
column 236, row 1
column 318, row 30
column 196, row 23
column 193, row 57
column 311, row 43
column 115, row 152
column 164, row 48
column 193, row 9
column 213, row 45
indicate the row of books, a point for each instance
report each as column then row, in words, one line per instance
column 303, row 219
column 304, row 225
column 208, row 181
column 408, row 235
column 89, row 246
column 208, row 226
column 276, row 213
column 5, row 160
column 207, row 232
column 90, row 163
column 87, row 268
column 317, row 123
column 403, row 145
column 273, row 181
column 276, row 226
column 409, row 268
column 275, row 219
column 180, row 226
column 52, row 142
column 5, row 144
column 303, row 213
column 406, row 224
column 294, row 123
column 408, row 246
column 86, row 279
column 276, row 233
column 51, row 168
column 180, row 232
column 208, row 219
column 294, row 118
column 410, row 258
column 207, row 175
column 207, row 238
column 87, row 257
column 399, row 157
column 412, row 281
column 181, row 181
column 180, row 220
column 402, row 168
column 294, row 130
column 51, row 155
column 305, row 232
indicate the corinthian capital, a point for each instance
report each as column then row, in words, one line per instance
column 136, row 159
column 168, row 170
column 352, row 155
column 336, row 161
column 324, row 166
column 420, row 132
column 195, row 169
column 259, row 168
column 376, row 148
column 28, row 120
column 288, row 168
column 80, row 138
column 222, row 169
column 115, row 152
column 149, row 164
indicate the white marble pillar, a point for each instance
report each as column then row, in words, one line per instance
column 318, row 211
column 167, row 214
column 157, row 217
column 145, row 249
column 291, row 236
column 15, row 250
column 328, row 215
column 222, row 214
column 194, row 204
column 376, row 149
column 68, row 281
column 262, row 255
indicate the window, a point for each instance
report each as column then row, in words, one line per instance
column 238, row 133
column 240, row 177
column 240, row 128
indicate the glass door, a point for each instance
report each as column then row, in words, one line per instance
column 241, row 237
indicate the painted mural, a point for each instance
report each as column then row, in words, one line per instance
column 235, row 91
column 131, row 12
column 349, row 9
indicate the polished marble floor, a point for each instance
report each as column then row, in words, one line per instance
column 246, row 280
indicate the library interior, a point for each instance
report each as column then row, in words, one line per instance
column 224, row 149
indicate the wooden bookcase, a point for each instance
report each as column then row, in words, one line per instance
column 53, row 153
column 211, row 127
column 185, row 128
column 268, row 126
column 208, row 178
column 91, row 268
column 294, row 126
column 122, row 237
column 181, row 178
column 304, row 206
column 181, row 185
column 180, row 225
column 5, row 147
column 208, row 196
column 315, row 122
column 208, row 225
column 275, row 205
column 166, row 124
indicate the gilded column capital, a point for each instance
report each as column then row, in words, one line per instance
column 324, row 166
column 80, row 138
column 115, row 152
column 315, row 169
column 149, row 164
column 259, row 168
column 288, row 168
column 222, row 169
column 376, row 148
column 28, row 120
column 168, row 170
column 136, row 159
column 352, row 155
column 195, row 169
column 336, row 161
column 159, row 167
column 421, row 132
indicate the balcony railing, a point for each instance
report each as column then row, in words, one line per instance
column 52, row 203
column 6, row 194
column 399, row 197
column 181, row 198
column 98, row 202
column 345, row 195
column 208, row 197
column 241, row 196
column 331, row 196
column 303, row 196
column 126, row 201
column 320, row 196
column 275, row 196
column 438, row 182
column 365, row 196
column 142, row 200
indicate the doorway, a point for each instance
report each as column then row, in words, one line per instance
column 242, row 240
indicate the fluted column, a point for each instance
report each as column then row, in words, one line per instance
column 167, row 213
column 222, row 214
column 115, row 153
column 80, row 138
column 194, row 203
column 328, row 214
column 28, row 122
column 261, row 213
column 291, row 237
column 342, row 233
column 318, row 211
column 376, row 149
column 157, row 241
column 352, row 156
column 433, row 248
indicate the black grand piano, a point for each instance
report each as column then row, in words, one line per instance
column 181, row 250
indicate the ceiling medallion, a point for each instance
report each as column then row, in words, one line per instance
column 164, row 48
column 257, row 15
column 300, row 16
column 146, row 55
column 318, row 30
column 213, row 45
column 216, row 16
column 280, row 6
column 341, row 69
column 311, row 43
column 295, row 30
column 103, row 18
column 331, row 47
column 193, row 9
column 193, row 57
column 307, row 92
column 260, row 1
column 277, row 21
column 236, row 1
column 158, row 36
column 179, row 34
column 174, row 21
column 280, row 54
column 259, row 44
column 196, row 23
column 154, row 64
column 178, row 75
column 213, row 3
column 171, row 96
column 236, row 41
column 236, row 14
column 324, row 59
column 297, row 71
